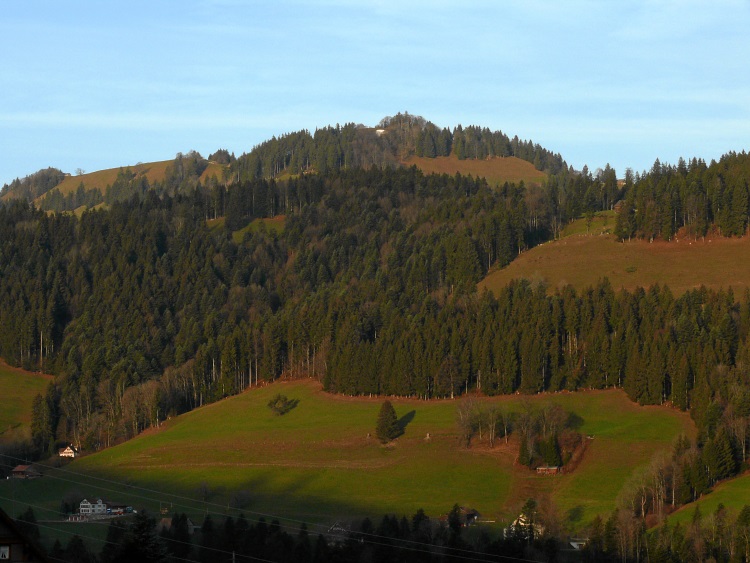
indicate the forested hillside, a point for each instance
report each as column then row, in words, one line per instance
column 177, row 297
column 143, row 311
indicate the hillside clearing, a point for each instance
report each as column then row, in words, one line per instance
column 19, row 389
column 497, row 170
column 734, row 494
column 581, row 261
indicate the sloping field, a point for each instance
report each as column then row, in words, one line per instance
column 734, row 494
column 582, row 260
column 103, row 178
column 317, row 464
column 153, row 171
column 496, row 170
column 275, row 224
column 19, row 387
column 213, row 169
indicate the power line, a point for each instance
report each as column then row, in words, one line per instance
column 100, row 540
column 453, row 551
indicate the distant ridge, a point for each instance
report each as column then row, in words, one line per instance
column 400, row 140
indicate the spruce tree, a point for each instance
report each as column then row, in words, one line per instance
column 387, row 428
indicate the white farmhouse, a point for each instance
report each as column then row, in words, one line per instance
column 88, row 508
column 70, row 451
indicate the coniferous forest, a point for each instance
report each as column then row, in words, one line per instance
column 175, row 297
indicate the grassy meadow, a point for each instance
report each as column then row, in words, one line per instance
column 496, row 170
column 317, row 463
column 19, row 389
column 734, row 494
column 153, row 171
column 582, row 259
column 275, row 224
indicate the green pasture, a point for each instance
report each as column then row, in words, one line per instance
column 600, row 223
column 275, row 224
column 316, row 464
column 734, row 494
column 19, row 389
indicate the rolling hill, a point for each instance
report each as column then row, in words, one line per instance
column 152, row 171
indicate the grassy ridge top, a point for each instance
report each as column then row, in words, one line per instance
column 317, row 464
column 19, row 389
column 583, row 259
column 497, row 170
column 153, row 171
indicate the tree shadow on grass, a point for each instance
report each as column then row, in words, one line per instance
column 404, row 421
column 281, row 404
column 574, row 421
column 575, row 514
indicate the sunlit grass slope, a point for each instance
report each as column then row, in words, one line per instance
column 272, row 224
column 317, row 463
column 496, row 170
column 153, row 171
column 734, row 494
column 583, row 259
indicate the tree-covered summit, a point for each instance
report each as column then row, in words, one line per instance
column 394, row 139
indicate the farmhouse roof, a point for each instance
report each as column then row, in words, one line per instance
column 12, row 535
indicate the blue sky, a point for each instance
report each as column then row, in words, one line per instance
column 96, row 85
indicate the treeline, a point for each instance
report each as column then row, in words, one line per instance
column 416, row 539
column 33, row 185
column 722, row 535
column 691, row 195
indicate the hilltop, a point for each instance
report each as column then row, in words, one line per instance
column 401, row 140
column 154, row 172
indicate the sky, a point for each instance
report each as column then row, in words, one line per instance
column 92, row 85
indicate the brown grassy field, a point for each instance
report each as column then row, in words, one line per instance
column 582, row 260
column 153, row 171
column 102, row 178
column 213, row 169
column 496, row 170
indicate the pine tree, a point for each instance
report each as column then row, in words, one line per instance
column 387, row 428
